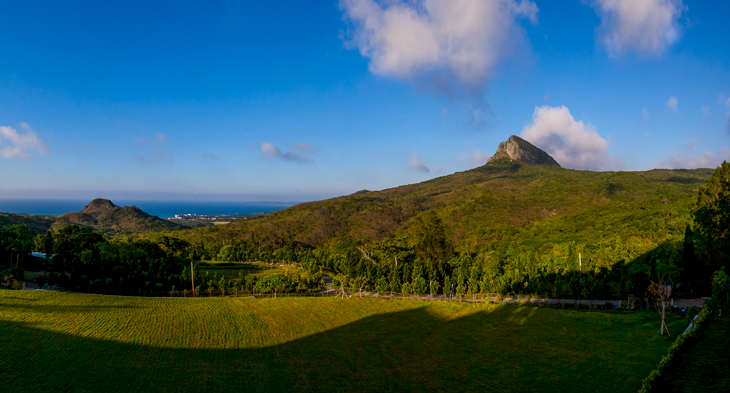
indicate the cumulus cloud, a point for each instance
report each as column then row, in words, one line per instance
column 475, row 159
column 642, row 26
column 274, row 153
column 573, row 144
column 677, row 160
column 417, row 164
column 455, row 43
column 14, row 144
column 672, row 103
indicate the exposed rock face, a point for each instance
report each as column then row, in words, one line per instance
column 518, row 149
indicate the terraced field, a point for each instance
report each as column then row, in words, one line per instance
column 70, row 342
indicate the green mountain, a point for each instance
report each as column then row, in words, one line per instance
column 520, row 198
column 104, row 216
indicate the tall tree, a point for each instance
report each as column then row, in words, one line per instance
column 711, row 215
column 432, row 246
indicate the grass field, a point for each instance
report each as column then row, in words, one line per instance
column 232, row 269
column 70, row 342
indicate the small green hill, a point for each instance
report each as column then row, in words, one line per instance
column 104, row 216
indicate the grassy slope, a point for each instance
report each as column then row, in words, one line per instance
column 232, row 269
column 71, row 342
column 500, row 202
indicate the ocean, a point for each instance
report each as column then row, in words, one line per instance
column 162, row 209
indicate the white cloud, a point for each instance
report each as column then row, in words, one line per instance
column 162, row 138
column 728, row 103
column 456, row 43
column 14, row 144
column 417, row 164
column 672, row 103
column 154, row 157
column 304, row 147
column 645, row 114
column 706, row 160
column 272, row 152
column 476, row 159
column 572, row 143
column 643, row 26
column 706, row 110
column 691, row 144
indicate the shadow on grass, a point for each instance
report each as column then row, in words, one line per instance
column 507, row 349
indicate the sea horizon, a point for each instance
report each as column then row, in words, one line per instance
column 161, row 209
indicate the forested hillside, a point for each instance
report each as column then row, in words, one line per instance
column 503, row 204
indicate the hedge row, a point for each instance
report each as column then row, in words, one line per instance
column 652, row 383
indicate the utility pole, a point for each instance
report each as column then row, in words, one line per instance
column 192, row 276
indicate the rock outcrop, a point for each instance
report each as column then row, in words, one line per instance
column 518, row 149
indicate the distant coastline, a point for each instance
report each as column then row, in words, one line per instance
column 162, row 209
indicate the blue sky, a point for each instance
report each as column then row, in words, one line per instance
column 308, row 100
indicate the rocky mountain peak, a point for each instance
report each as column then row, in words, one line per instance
column 518, row 149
